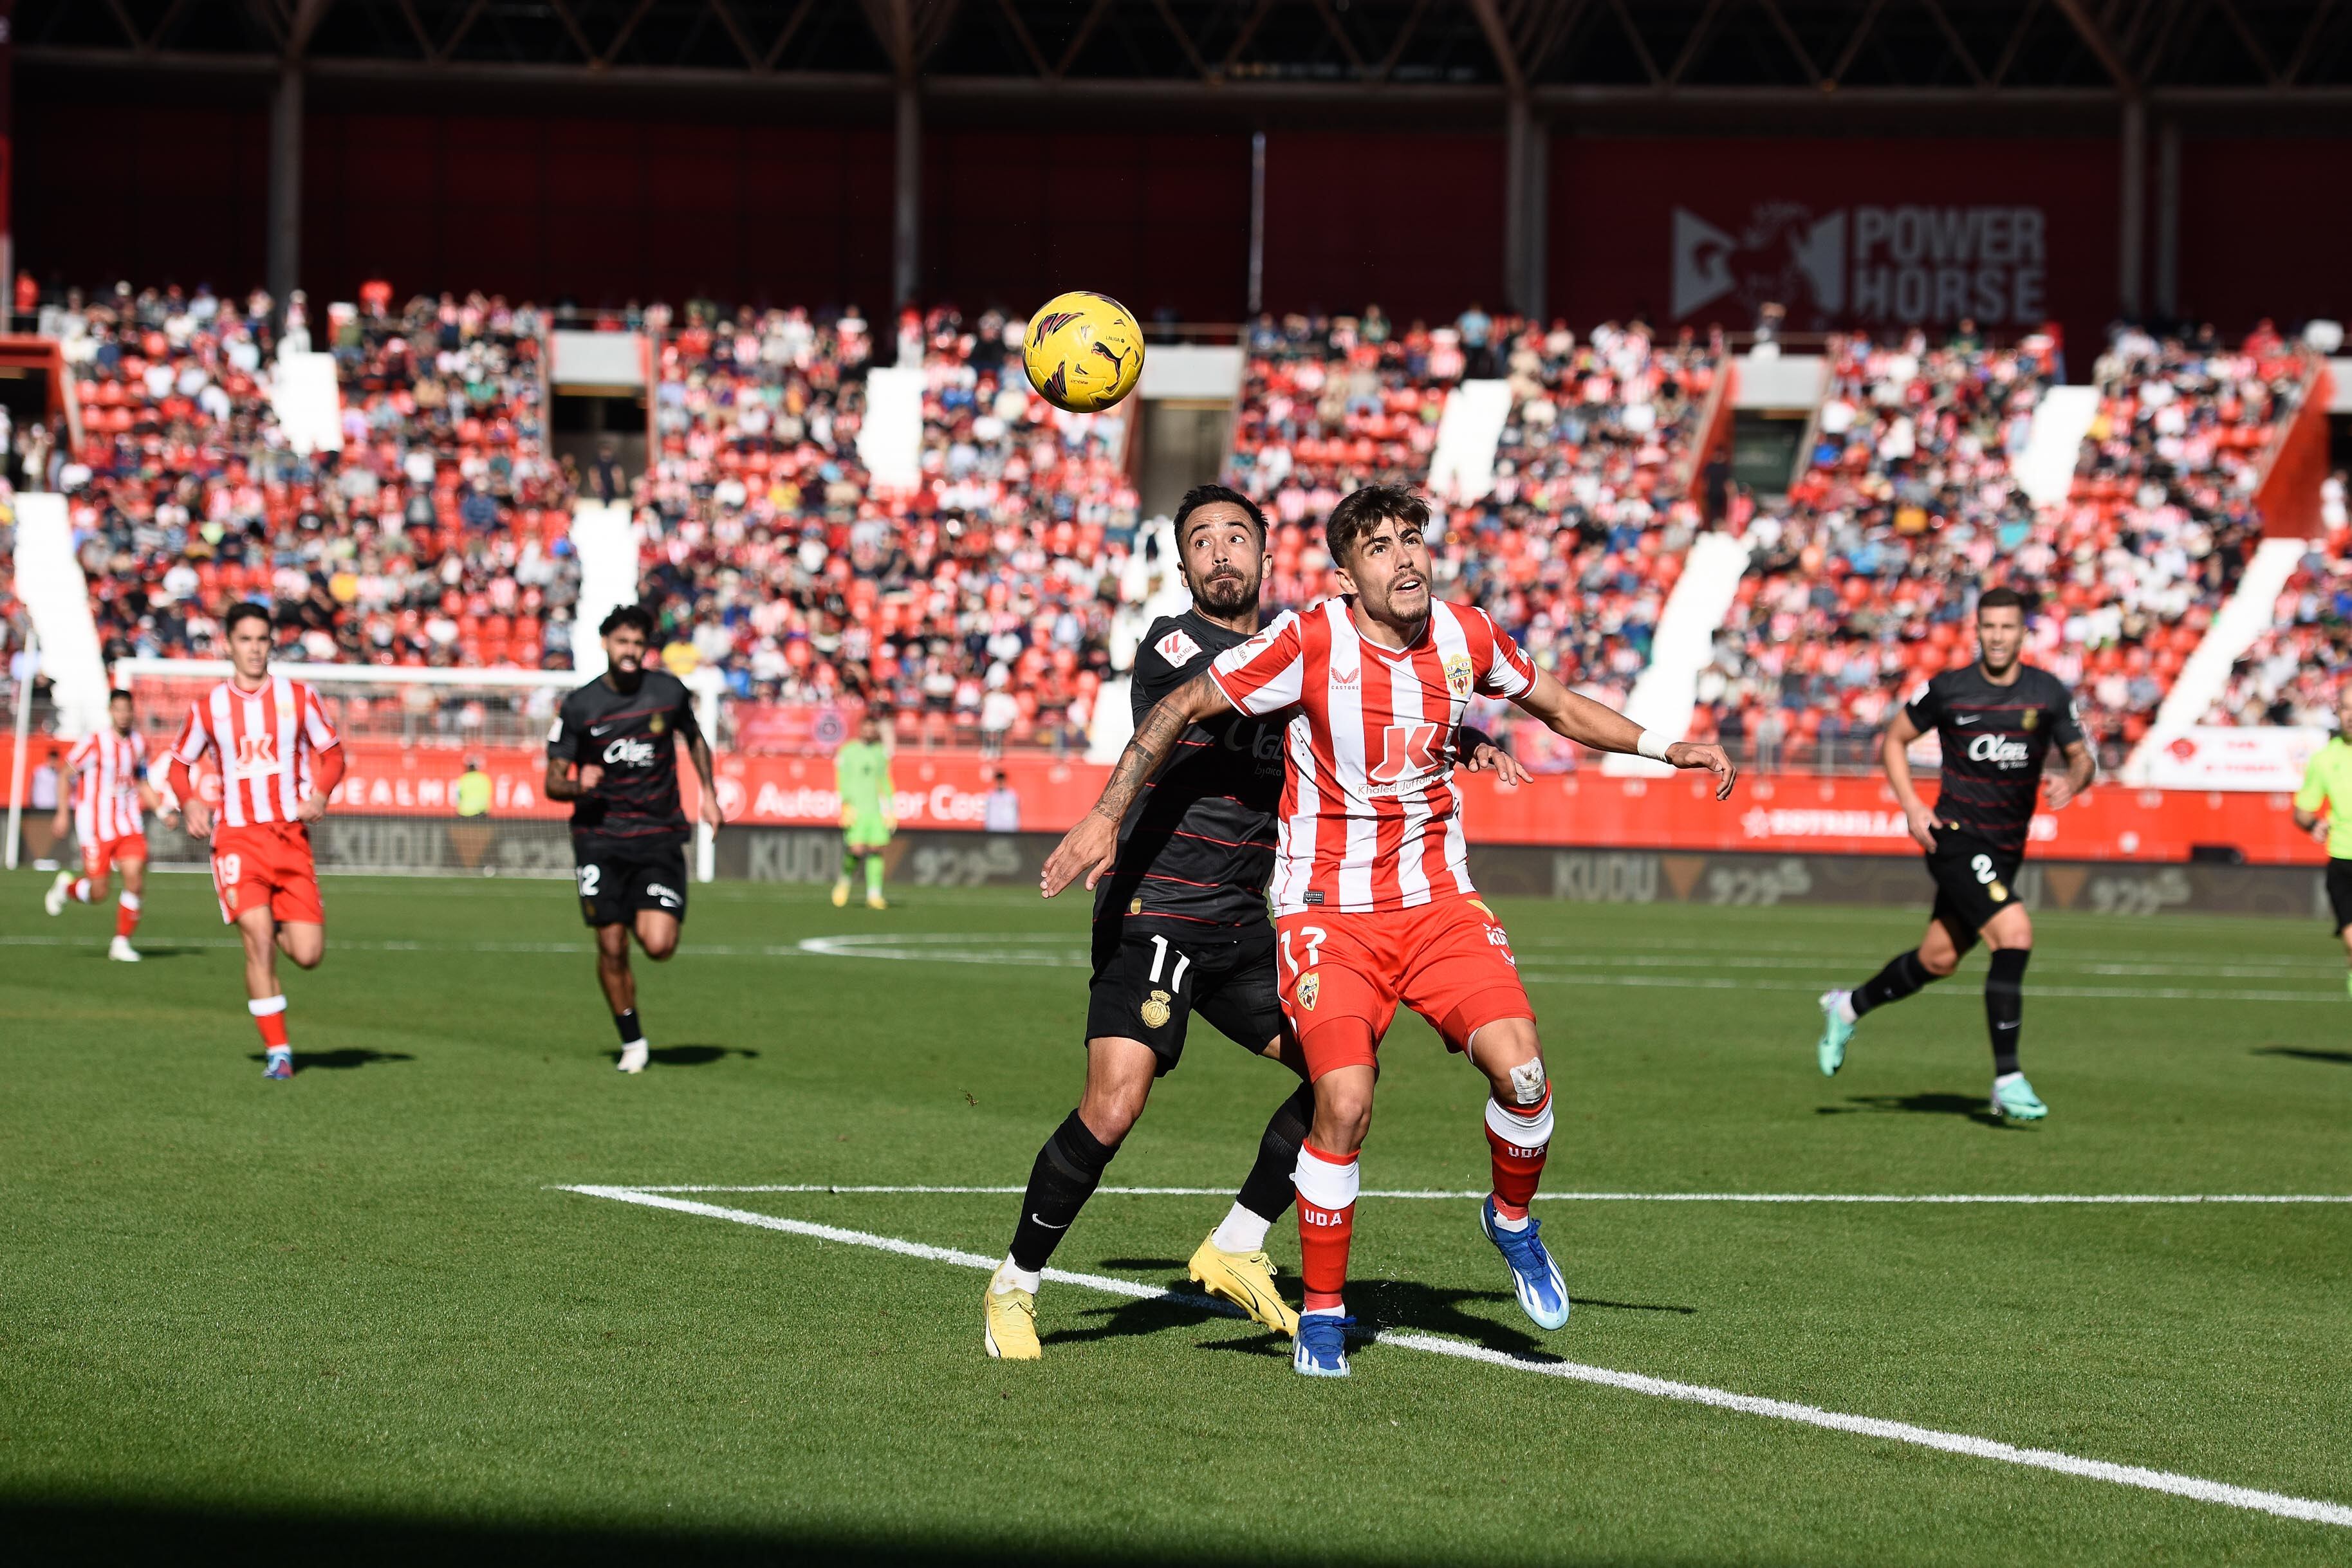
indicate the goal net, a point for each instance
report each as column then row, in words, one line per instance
column 410, row 736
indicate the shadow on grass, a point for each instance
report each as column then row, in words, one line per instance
column 133, row 1532
column 2340, row 1058
column 337, row 1061
column 690, row 1055
column 1972, row 1106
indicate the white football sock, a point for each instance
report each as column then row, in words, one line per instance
column 1505, row 1222
column 1845, row 1008
column 2001, row 1078
column 1010, row 1276
column 1242, row 1231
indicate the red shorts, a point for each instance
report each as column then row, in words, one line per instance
column 267, row 867
column 1449, row 960
column 98, row 857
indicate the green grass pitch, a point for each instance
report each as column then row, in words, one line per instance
column 357, row 1314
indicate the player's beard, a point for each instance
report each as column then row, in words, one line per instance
column 1227, row 593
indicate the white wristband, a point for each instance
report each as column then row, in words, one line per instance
column 1651, row 746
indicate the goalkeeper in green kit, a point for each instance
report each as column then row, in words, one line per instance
column 861, row 776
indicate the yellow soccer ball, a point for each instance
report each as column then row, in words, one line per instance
column 1084, row 352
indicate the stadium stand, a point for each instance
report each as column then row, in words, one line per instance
column 1859, row 586
column 977, row 603
column 2289, row 676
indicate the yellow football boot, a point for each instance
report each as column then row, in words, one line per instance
column 1246, row 1279
column 841, row 894
column 875, row 900
column 1009, row 1323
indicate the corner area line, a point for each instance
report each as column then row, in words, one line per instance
column 1470, row 1195
column 2191, row 1486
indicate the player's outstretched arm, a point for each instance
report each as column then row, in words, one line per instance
column 1088, row 849
column 2082, row 767
column 1895, row 757
column 697, row 751
column 561, row 785
column 1603, row 728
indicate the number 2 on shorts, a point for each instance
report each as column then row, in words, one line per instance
column 590, row 876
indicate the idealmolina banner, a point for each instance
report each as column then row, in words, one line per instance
column 949, row 790
column 1837, row 816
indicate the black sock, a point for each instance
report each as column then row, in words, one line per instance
column 1266, row 1191
column 1067, row 1170
column 1903, row 974
column 2005, row 1004
column 627, row 1022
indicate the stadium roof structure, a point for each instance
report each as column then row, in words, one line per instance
column 1536, row 69
column 1253, row 57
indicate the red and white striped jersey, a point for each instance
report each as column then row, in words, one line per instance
column 107, row 769
column 1371, row 817
column 266, row 739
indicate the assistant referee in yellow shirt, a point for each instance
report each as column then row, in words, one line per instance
column 2326, row 793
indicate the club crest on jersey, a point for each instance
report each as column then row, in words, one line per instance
column 1310, row 986
column 2033, row 717
column 1135, row 906
column 1457, row 675
column 658, row 724
column 1177, row 648
column 1154, row 1011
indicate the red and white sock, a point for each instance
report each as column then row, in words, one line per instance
column 1327, row 1223
column 80, row 891
column 269, row 1017
column 126, row 915
column 1519, row 1136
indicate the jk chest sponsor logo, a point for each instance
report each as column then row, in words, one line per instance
column 2000, row 750
column 629, row 752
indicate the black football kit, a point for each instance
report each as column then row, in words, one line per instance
column 629, row 833
column 1180, row 921
column 1995, row 738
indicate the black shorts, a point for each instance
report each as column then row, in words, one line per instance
column 620, row 877
column 1152, row 977
column 2339, row 893
column 1974, row 882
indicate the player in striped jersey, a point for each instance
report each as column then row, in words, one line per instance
column 108, row 769
column 280, row 759
column 1372, row 898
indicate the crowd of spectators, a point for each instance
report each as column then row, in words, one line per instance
column 973, row 604
column 433, row 537
column 1860, row 584
column 2290, row 675
column 980, row 601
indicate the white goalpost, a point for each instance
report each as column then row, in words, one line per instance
column 408, row 736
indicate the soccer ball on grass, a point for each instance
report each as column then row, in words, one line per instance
column 1084, row 352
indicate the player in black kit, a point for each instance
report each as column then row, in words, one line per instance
column 1995, row 720
column 1179, row 928
column 613, row 755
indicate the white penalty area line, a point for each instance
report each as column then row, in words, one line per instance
column 2194, row 1487
column 2094, row 1198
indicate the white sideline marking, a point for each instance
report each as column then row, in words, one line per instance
column 2191, row 1486
column 1563, row 1196
column 1052, row 950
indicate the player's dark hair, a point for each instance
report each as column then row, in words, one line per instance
column 1361, row 511
column 243, row 611
column 1200, row 496
column 2000, row 599
column 116, row 696
column 635, row 615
